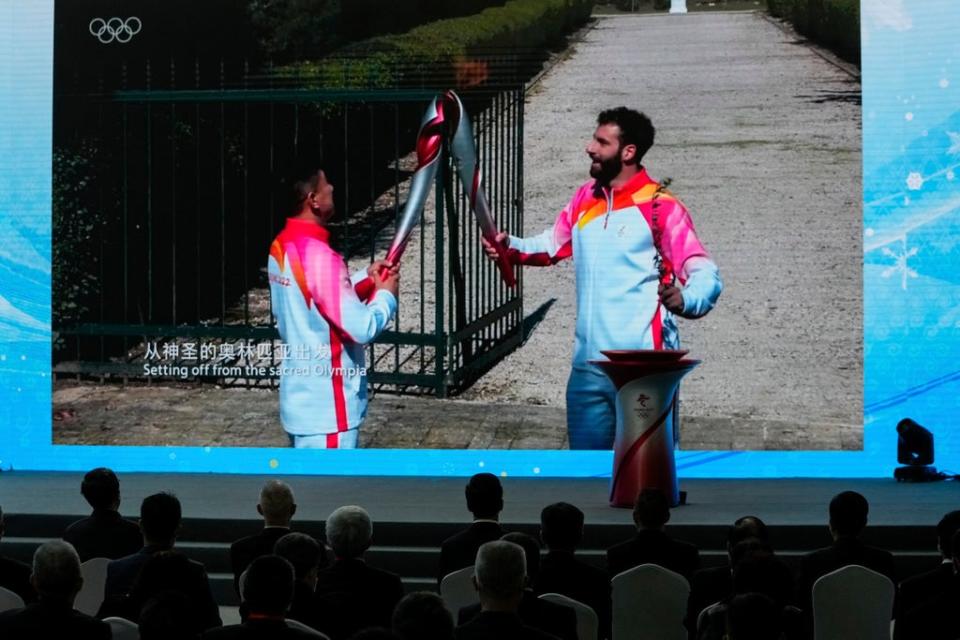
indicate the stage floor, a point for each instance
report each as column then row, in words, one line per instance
column 788, row 501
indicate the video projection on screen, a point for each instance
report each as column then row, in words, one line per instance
column 174, row 151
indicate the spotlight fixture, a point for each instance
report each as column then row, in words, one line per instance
column 915, row 450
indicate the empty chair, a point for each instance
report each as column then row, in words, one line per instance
column 296, row 624
column 852, row 602
column 121, row 628
column 587, row 621
column 457, row 590
column 10, row 600
column 94, row 572
column 649, row 602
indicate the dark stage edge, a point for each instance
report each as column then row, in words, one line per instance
column 711, row 502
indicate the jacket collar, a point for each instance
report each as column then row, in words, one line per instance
column 300, row 227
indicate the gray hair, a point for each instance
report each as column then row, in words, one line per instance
column 500, row 569
column 276, row 500
column 56, row 569
column 349, row 530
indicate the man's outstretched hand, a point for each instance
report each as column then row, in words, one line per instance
column 672, row 298
column 489, row 248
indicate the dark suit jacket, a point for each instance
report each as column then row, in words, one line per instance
column 843, row 552
column 922, row 587
column 489, row 625
column 48, row 620
column 123, row 572
column 303, row 609
column 105, row 534
column 246, row 550
column 549, row 617
column 562, row 572
column 938, row 618
column 707, row 587
column 257, row 630
column 352, row 595
column 15, row 576
column 460, row 549
column 654, row 547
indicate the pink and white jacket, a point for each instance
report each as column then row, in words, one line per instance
column 610, row 236
column 323, row 325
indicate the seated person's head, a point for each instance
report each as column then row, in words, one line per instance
column 101, row 488
column 955, row 546
column 499, row 574
column 753, row 616
column 422, row 616
column 304, row 553
column 848, row 514
column 748, row 548
column 168, row 615
column 948, row 525
column 276, row 503
column 160, row 519
column 484, row 495
column 56, row 571
column 531, row 552
column 764, row 574
column 349, row 532
column 652, row 510
column 561, row 526
column 746, row 527
column 268, row 587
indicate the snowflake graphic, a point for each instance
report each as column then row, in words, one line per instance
column 900, row 263
column 954, row 143
column 914, row 181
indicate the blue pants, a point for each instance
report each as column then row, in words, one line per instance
column 591, row 409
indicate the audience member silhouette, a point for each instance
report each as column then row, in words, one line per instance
column 848, row 519
column 167, row 616
column 15, row 575
column 561, row 530
column 422, row 615
column 711, row 585
column 918, row 589
column 549, row 617
column 306, row 555
column 937, row 617
column 753, row 616
column 57, row 580
column 105, row 533
column 500, row 573
column 267, row 592
column 485, row 501
column 352, row 595
column 276, row 507
column 651, row 545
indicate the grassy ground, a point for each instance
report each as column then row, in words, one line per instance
column 646, row 6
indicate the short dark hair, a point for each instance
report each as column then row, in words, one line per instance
column 531, row 551
column 635, row 128
column 303, row 184
column 167, row 615
column 422, row 615
column 748, row 548
column 484, row 495
column 764, row 574
column 101, row 488
column 160, row 516
column 268, row 587
column 949, row 524
column 753, row 616
column 848, row 513
column 561, row 526
column 301, row 551
column 651, row 510
column 746, row 527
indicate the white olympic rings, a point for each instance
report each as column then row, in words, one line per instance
column 115, row 29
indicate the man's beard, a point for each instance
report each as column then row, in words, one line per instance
column 607, row 171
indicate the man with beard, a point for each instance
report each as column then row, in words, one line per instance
column 639, row 264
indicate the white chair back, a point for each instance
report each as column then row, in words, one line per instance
column 9, row 600
column 649, row 603
column 94, row 572
column 588, row 624
column 296, row 624
column 852, row 602
column 457, row 590
column 123, row 629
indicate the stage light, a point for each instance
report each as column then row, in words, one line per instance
column 915, row 449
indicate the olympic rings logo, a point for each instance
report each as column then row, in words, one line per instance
column 115, row 29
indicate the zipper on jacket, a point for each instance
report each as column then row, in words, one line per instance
column 609, row 206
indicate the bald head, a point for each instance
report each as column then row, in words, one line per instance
column 276, row 504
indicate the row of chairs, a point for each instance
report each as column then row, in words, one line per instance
column 651, row 602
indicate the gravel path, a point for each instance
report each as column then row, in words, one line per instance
column 762, row 139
